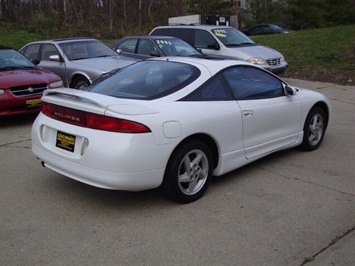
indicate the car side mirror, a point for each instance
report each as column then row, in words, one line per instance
column 55, row 58
column 35, row 61
column 155, row 53
column 119, row 51
column 289, row 90
column 214, row 46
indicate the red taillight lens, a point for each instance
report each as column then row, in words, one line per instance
column 90, row 120
column 113, row 124
column 64, row 114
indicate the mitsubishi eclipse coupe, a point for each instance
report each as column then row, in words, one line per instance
column 174, row 123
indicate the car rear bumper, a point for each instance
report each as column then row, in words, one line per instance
column 131, row 162
column 133, row 181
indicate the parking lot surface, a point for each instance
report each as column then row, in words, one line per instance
column 290, row 208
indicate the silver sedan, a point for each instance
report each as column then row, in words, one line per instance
column 78, row 61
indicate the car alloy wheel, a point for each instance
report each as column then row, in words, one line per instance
column 314, row 129
column 189, row 172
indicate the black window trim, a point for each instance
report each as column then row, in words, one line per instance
column 261, row 69
column 230, row 90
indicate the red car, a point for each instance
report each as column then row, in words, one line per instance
column 22, row 83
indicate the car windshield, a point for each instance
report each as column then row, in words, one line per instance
column 10, row 58
column 232, row 37
column 147, row 80
column 78, row 50
column 276, row 27
column 176, row 47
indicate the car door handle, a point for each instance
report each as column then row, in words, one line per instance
column 248, row 113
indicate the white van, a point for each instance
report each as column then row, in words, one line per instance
column 226, row 42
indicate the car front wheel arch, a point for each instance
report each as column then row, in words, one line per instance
column 79, row 82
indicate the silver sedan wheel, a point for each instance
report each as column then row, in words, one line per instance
column 193, row 172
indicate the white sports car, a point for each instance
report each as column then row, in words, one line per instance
column 174, row 122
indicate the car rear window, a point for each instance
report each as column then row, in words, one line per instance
column 147, row 80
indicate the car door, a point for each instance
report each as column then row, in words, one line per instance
column 271, row 120
column 56, row 66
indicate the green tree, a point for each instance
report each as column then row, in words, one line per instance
column 306, row 14
column 263, row 11
column 343, row 12
column 299, row 14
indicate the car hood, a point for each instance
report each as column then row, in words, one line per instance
column 104, row 64
column 257, row 51
column 22, row 77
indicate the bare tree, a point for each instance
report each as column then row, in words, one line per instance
column 86, row 16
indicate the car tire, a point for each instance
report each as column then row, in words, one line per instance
column 314, row 129
column 80, row 83
column 189, row 172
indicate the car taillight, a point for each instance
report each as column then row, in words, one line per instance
column 91, row 120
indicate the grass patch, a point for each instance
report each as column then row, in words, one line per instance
column 326, row 54
column 12, row 36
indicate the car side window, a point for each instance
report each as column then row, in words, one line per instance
column 267, row 29
column 214, row 89
column 47, row 51
column 251, row 83
column 258, row 29
column 32, row 51
column 204, row 39
column 128, row 46
column 145, row 47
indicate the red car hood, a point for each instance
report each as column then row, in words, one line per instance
column 20, row 77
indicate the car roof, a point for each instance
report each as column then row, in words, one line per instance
column 213, row 65
column 62, row 40
column 153, row 37
column 198, row 26
column 264, row 24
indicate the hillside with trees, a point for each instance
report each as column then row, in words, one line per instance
column 116, row 18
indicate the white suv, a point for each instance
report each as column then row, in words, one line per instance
column 226, row 42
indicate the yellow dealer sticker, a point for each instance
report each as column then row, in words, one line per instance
column 65, row 141
column 33, row 103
